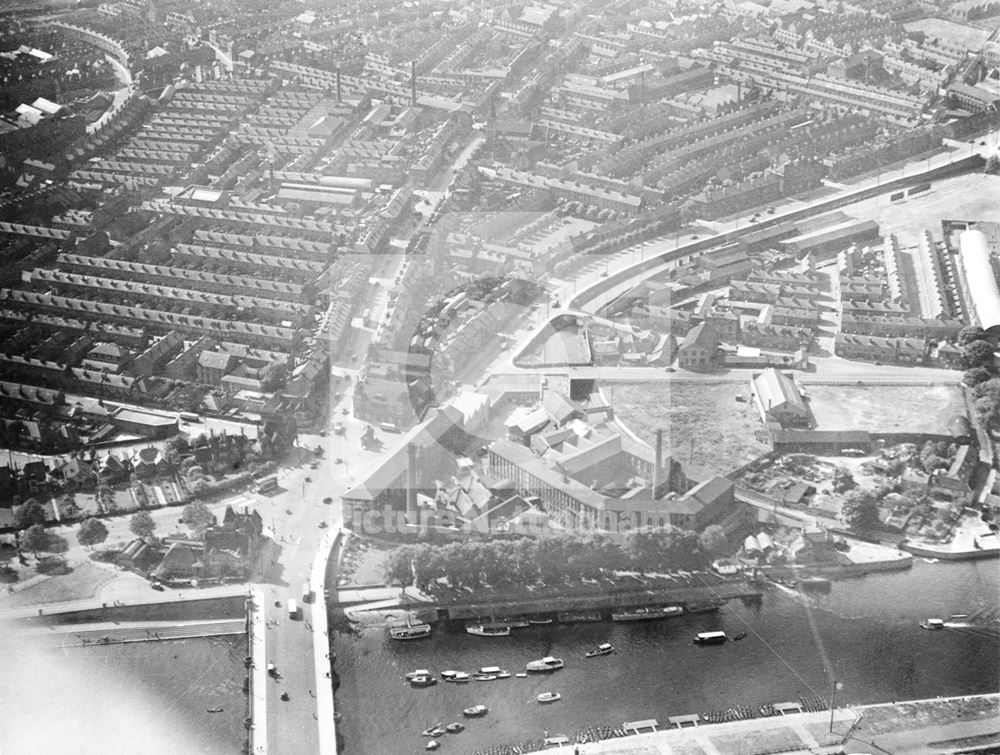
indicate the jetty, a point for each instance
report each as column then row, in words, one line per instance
column 603, row 596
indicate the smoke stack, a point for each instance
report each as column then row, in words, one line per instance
column 413, row 83
column 339, row 92
column 411, row 483
column 657, row 461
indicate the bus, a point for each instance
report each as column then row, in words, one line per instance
column 267, row 484
column 189, row 417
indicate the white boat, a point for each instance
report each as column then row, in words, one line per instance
column 494, row 670
column 604, row 648
column 486, row 630
column 419, row 672
column 458, row 677
column 434, row 731
column 454, row 728
column 548, row 663
column 548, row 620
column 475, row 711
column 423, row 681
column 485, row 677
column 646, row 613
column 932, row 624
column 432, row 745
column 410, row 632
column 503, row 675
column 710, row 638
column 449, row 674
column 549, row 697
column 513, row 622
column 520, row 675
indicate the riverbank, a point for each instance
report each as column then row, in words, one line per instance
column 894, row 727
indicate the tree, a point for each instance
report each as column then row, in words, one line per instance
column 976, row 376
column 399, row 566
column 992, row 165
column 197, row 517
column 35, row 538
column 30, row 513
column 843, row 480
column 860, row 510
column 971, row 333
column 713, row 540
column 142, row 524
column 92, row 532
column 978, row 354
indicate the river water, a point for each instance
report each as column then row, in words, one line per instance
column 864, row 633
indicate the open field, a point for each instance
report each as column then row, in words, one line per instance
column 968, row 197
column 954, row 32
column 895, row 409
column 705, row 427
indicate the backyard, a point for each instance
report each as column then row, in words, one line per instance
column 705, row 426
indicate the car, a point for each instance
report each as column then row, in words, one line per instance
column 328, row 500
column 338, row 428
column 157, row 586
column 322, row 433
column 669, row 369
column 309, row 479
column 314, row 465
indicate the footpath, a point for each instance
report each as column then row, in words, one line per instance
column 916, row 727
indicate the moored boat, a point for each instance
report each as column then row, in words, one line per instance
column 433, row 731
column 454, row 728
column 485, row 677
column 432, row 745
column 449, row 674
column 548, row 663
column 646, row 613
column 475, row 711
column 540, row 620
column 574, row 617
column 932, row 623
column 423, row 681
column 458, row 677
column 814, row 584
column 740, row 636
column 514, row 622
column 605, row 648
column 488, row 630
column 520, row 675
column 710, row 638
column 549, row 697
column 419, row 672
column 410, row 631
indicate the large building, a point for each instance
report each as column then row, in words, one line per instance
column 980, row 280
column 778, row 399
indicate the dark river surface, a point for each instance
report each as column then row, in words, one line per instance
column 863, row 633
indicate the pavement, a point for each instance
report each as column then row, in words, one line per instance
column 915, row 728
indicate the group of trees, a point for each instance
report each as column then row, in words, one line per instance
column 553, row 560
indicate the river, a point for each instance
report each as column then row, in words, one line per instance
column 864, row 633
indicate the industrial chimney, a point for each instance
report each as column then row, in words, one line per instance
column 411, row 483
column 657, row 462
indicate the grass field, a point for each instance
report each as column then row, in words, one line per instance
column 705, row 427
column 968, row 197
column 897, row 409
